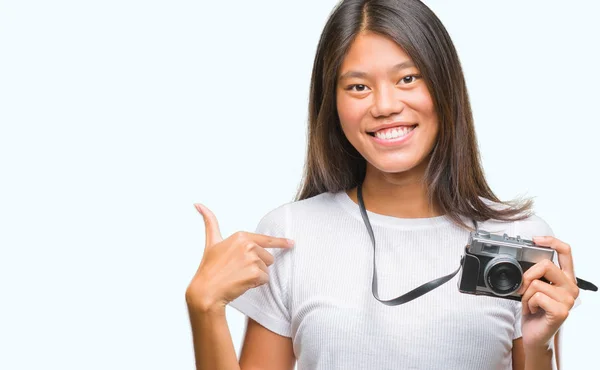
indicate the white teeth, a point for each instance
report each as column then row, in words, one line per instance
column 393, row 133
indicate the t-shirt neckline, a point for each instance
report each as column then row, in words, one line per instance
column 344, row 200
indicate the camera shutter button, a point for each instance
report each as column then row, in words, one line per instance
column 483, row 233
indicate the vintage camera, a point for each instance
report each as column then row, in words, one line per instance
column 494, row 264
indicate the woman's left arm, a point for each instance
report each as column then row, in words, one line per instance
column 556, row 351
column 545, row 306
column 518, row 354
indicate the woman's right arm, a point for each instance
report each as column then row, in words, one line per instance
column 229, row 267
column 266, row 350
column 213, row 346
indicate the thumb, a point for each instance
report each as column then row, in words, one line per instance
column 212, row 232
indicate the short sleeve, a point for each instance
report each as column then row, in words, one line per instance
column 268, row 304
column 517, row 332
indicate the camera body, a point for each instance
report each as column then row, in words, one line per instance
column 494, row 264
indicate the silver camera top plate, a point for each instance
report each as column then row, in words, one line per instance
column 482, row 242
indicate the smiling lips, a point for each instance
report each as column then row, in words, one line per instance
column 393, row 135
column 393, row 132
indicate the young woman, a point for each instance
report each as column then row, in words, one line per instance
column 389, row 116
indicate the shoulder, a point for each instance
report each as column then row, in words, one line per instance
column 530, row 225
column 280, row 219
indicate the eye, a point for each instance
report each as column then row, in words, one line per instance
column 357, row 88
column 363, row 88
column 409, row 79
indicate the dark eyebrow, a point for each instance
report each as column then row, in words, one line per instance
column 397, row 67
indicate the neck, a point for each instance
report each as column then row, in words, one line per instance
column 402, row 195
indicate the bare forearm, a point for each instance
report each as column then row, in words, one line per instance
column 538, row 359
column 213, row 346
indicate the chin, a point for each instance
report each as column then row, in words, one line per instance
column 395, row 166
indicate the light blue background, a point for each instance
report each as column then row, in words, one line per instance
column 116, row 116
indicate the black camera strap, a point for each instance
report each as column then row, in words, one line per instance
column 415, row 293
column 431, row 285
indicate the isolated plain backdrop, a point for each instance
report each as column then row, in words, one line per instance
column 116, row 116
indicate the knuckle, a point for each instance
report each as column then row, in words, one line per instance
column 570, row 301
column 547, row 263
column 260, row 278
column 254, row 259
column 249, row 247
column 256, row 271
column 239, row 235
column 269, row 261
column 563, row 314
column 567, row 248
column 537, row 284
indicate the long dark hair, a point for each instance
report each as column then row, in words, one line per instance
column 454, row 176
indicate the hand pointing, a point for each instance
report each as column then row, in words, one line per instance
column 230, row 266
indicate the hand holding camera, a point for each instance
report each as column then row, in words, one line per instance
column 521, row 269
column 555, row 298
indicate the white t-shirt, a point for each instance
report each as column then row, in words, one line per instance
column 319, row 292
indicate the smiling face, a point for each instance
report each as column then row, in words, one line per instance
column 384, row 106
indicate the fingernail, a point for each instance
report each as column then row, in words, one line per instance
column 198, row 207
column 290, row 242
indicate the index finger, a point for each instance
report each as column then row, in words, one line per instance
column 565, row 258
column 267, row 241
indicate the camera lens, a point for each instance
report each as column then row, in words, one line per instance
column 503, row 276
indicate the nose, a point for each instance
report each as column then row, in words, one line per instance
column 386, row 102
